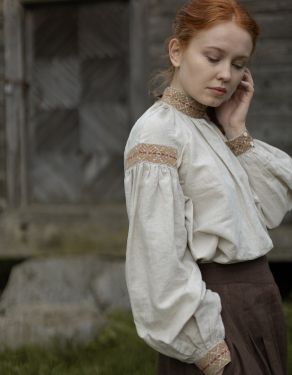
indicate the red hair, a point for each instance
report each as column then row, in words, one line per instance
column 198, row 15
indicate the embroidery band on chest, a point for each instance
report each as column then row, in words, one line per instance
column 184, row 103
column 153, row 153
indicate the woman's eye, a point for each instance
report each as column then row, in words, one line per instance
column 212, row 59
column 238, row 66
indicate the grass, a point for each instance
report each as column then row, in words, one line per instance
column 116, row 351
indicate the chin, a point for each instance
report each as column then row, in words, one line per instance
column 211, row 101
column 214, row 102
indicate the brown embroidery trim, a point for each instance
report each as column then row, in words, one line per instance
column 240, row 144
column 215, row 359
column 153, row 153
column 183, row 103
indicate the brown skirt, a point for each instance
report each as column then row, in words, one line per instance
column 255, row 329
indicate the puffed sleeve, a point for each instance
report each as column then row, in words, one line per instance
column 270, row 175
column 173, row 311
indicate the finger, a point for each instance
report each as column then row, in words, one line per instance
column 248, row 76
column 247, row 85
column 247, row 80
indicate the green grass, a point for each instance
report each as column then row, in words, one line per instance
column 116, row 351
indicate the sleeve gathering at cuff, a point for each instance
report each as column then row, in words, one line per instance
column 215, row 359
column 240, row 144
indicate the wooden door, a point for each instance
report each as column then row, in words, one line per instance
column 77, row 73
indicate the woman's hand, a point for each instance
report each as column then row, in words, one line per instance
column 232, row 113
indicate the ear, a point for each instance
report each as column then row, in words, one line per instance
column 175, row 52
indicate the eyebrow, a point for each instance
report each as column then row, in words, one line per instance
column 222, row 50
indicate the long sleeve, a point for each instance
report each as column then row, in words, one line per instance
column 172, row 309
column 270, row 175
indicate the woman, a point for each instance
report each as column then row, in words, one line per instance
column 200, row 195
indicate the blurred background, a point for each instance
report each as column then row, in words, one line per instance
column 74, row 79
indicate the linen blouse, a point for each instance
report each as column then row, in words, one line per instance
column 190, row 199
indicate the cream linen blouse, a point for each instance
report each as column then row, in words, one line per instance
column 190, row 199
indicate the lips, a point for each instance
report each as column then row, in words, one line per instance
column 219, row 89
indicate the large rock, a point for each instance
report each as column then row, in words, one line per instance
column 51, row 280
column 60, row 297
column 109, row 288
column 42, row 324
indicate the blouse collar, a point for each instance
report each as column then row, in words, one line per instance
column 183, row 102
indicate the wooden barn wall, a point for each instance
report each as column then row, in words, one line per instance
column 2, row 121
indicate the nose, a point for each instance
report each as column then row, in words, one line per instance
column 224, row 72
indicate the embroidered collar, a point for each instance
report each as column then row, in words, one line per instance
column 183, row 102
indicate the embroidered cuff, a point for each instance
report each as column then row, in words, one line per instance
column 240, row 144
column 215, row 359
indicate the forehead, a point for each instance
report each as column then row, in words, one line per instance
column 227, row 36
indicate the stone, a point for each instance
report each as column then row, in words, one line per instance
column 43, row 324
column 110, row 289
column 51, row 280
column 64, row 298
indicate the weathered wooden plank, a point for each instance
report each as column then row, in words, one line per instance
column 104, row 38
column 255, row 6
column 103, row 127
column 158, row 58
column 272, row 94
column 70, row 179
column 30, row 109
column 56, row 84
column 273, row 52
column 45, row 2
column 105, row 183
column 275, row 25
column 14, row 101
column 56, row 131
column 139, row 58
column 104, row 79
column 274, row 128
column 159, row 28
column 2, row 123
column 55, row 31
column 168, row 8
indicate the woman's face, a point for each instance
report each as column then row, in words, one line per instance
column 214, row 58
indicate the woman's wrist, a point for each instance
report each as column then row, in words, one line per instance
column 232, row 133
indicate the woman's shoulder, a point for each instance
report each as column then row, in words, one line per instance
column 159, row 126
column 157, row 121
